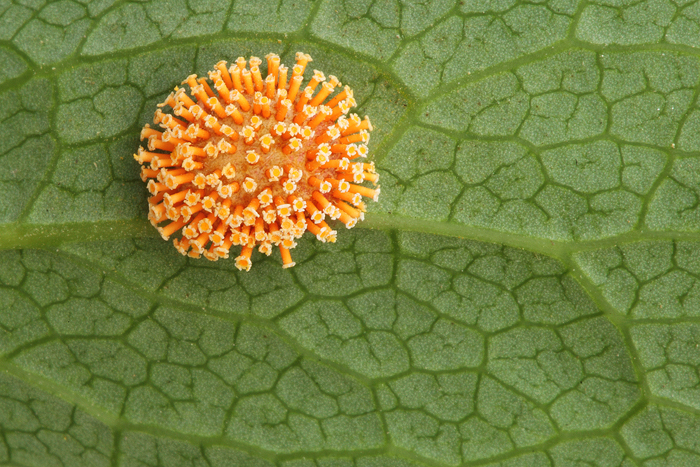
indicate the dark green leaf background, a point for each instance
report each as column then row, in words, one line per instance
column 526, row 293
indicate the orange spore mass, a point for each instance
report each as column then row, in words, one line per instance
column 255, row 160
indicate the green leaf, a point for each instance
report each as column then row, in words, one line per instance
column 525, row 293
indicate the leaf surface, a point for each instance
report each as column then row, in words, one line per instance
column 525, row 293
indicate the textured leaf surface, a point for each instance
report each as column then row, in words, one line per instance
column 525, row 294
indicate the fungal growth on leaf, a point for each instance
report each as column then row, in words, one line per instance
column 256, row 160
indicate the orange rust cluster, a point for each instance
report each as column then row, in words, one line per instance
column 252, row 160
